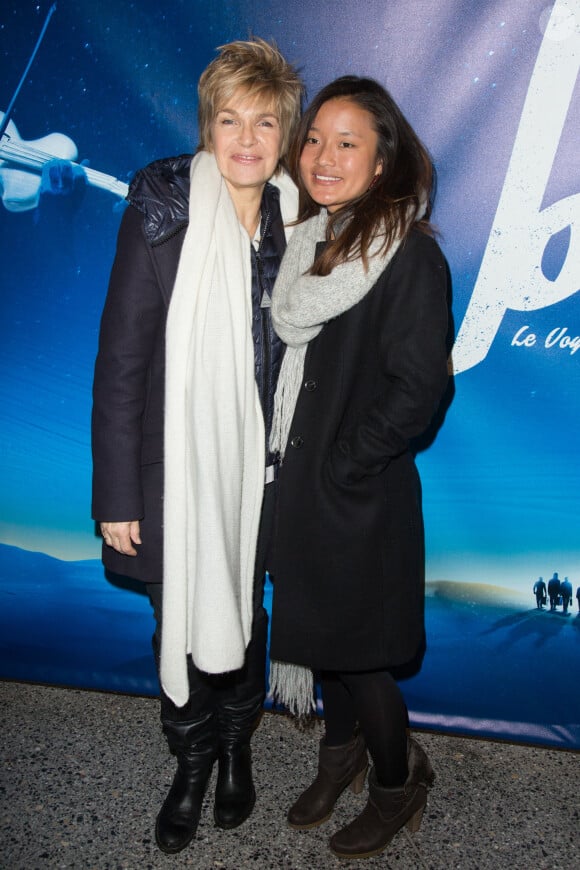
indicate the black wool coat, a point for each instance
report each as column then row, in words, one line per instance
column 348, row 564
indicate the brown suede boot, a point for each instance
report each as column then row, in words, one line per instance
column 387, row 810
column 338, row 768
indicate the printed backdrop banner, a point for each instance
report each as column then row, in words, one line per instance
column 491, row 86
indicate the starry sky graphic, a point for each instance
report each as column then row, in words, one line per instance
column 501, row 480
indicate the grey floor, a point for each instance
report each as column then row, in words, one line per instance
column 84, row 773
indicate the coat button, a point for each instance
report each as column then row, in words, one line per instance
column 297, row 441
column 310, row 386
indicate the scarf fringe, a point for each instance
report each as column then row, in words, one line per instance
column 293, row 686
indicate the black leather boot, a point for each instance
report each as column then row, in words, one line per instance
column 235, row 794
column 239, row 704
column 195, row 745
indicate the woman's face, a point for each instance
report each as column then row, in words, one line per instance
column 246, row 139
column 339, row 158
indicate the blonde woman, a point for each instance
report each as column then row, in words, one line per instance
column 184, row 484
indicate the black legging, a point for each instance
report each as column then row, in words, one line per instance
column 374, row 700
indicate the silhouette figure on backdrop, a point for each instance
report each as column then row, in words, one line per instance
column 540, row 593
column 578, row 598
column 554, row 590
column 566, row 593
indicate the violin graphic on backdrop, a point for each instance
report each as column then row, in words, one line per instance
column 21, row 165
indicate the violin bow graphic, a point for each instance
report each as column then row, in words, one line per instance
column 8, row 113
column 20, row 187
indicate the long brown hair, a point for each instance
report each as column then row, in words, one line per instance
column 393, row 203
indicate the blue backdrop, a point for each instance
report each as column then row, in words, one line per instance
column 492, row 88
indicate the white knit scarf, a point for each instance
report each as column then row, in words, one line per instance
column 301, row 305
column 214, row 439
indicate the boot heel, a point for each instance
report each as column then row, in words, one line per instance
column 358, row 782
column 414, row 823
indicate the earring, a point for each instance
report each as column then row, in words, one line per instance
column 373, row 182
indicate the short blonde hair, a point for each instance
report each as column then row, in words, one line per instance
column 257, row 68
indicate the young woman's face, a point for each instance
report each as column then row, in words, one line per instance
column 339, row 158
column 246, row 139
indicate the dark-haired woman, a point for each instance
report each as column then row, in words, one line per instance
column 361, row 302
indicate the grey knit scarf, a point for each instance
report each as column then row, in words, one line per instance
column 301, row 305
